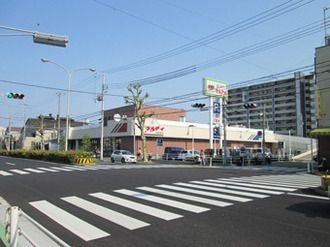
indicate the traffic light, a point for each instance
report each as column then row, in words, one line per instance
column 15, row 96
column 198, row 105
column 251, row 105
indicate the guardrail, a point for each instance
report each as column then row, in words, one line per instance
column 14, row 232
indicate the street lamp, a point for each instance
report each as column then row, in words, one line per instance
column 38, row 37
column 69, row 73
column 192, row 138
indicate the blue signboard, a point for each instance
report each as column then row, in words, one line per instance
column 216, row 108
column 216, row 133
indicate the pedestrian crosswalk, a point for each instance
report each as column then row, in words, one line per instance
column 141, row 207
column 70, row 168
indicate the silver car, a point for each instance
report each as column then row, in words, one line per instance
column 124, row 156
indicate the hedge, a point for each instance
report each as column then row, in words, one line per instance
column 68, row 157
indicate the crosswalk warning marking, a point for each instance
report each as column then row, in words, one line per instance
column 159, row 213
column 3, row 173
column 164, row 201
column 33, row 170
column 217, row 183
column 187, row 197
column 106, row 213
column 72, row 223
column 19, row 171
column 205, row 193
column 241, row 193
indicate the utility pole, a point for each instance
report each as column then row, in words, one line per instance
column 101, row 98
column 263, row 133
column 59, row 94
column 9, row 129
column 42, row 132
column 24, row 130
column 224, row 121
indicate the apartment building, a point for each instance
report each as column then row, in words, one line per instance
column 290, row 105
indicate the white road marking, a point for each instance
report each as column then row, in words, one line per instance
column 159, row 213
column 227, row 181
column 3, row 173
column 11, row 164
column 75, row 168
column 300, row 181
column 164, row 201
column 75, row 225
column 218, row 184
column 205, row 193
column 47, row 169
column 265, row 182
column 33, row 170
column 241, row 193
column 187, row 197
column 61, row 169
column 106, row 213
column 19, row 171
column 310, row 196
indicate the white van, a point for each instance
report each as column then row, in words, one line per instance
column 189, row 154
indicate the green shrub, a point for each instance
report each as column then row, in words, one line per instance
column 68, row 157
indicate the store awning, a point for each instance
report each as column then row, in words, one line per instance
column 320, row 132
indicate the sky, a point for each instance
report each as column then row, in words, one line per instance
column 109, row 34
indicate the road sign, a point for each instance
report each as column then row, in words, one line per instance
column 117, row 117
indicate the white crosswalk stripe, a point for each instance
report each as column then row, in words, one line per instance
column 218, row 183
column 164, row 201
column 61, row 169
column 75, row 168
column 205, row 193
column 47, row 169
column 72, row 223
column 286, row 180
column 241, row 193
column 33, row 170
column 187, row 197
column 19, row 171
column 270, row 183
column 108, row 214
column 4, row 173
column 159, row 213
column 227, row 181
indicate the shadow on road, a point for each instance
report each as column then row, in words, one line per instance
column 312, row 209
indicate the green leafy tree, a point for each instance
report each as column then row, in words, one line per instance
column 86, row 142
column 137, row 99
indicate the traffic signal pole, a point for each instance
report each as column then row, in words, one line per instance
column 263, row 134
column 211, row 122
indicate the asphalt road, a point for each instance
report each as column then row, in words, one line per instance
column 224, row 218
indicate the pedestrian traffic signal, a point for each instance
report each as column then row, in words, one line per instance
column 251, row 105
column 198, row 105
column 15, row 96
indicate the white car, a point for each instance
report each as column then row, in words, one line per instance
column 189, row 155
column 123, row 156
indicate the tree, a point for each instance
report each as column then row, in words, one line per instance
column 137, row 99
column 86, row 142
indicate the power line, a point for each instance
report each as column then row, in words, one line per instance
column 276, row 41
column 224, row 33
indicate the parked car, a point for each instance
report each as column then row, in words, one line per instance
column 258, row 158
column 172, row 153
column 123, row 156
column 189, row 155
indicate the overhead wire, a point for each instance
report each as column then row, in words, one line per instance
column 224, row 33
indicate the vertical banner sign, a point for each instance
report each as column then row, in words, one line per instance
column 217, row 89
